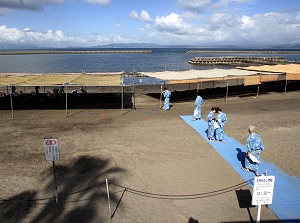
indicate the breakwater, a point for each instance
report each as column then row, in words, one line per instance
column 237, row 60
column 74, row 52
column 243, row 52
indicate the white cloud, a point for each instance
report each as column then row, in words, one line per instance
column 172, row 23
column 144, row 16
column 219, row 28
column 31, row 37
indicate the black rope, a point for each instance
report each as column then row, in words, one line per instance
column 183, row 196
column 142, row 193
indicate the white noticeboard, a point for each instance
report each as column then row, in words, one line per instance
column 263, row 190
column 51, row 149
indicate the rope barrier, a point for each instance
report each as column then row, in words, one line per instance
column 183, row 196
column 142, row 193
column 49, row 198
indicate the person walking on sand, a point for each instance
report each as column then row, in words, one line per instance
column 210, row 122
column 254, row 145
column 221, row 119
column 197, row 110
column 167, row 95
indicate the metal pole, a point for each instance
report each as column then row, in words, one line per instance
column 285, row 86
column 197, row 87
column 160, row 94
column 226, row 92
column 258, row 213
column 257, row 90
column 107, row 191
column 66, row 101
column 11, row 103
column 55, row 184
column 122, row 93
column 133, row 93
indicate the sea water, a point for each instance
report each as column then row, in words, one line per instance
column 161, row 59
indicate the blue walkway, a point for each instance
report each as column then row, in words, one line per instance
column 286, row 197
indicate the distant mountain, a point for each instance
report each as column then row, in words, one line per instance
column 129, row 45
column 5, row 46
column 287, row 46
column 8, row 46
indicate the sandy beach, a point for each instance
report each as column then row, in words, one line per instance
column 145, row 149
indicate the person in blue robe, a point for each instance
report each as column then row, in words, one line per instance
column 222, row 118
column 254, row 145
column 167, row 95
column 197, row 110
column 210, row 122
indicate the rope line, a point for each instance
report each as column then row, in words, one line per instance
column 141, row 193
column 185, row 196
column 49, row 198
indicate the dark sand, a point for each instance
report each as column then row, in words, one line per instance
column 146, row 149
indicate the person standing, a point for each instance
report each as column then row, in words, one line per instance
column 221, row 119
column 197, row 110
column 167, row 95
column 254, row 145
column 210, row 122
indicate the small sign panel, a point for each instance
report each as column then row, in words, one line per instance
column 51, row 149
column 263, row 190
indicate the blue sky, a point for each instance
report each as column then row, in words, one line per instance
column 83, row 23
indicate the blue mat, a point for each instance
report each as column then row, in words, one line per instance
column 286, row 197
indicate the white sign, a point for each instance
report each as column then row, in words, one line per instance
column 263, row 190
column 51, row 149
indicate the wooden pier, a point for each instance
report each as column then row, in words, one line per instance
column 237, row 60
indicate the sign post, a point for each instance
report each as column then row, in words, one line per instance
column 52, row 154
column 262, row 192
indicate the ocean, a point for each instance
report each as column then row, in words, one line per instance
column 161, row 59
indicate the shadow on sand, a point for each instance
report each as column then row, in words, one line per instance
column 82, row 195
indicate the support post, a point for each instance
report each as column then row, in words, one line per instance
column 226, row 92
column 160, row 94
column 133, row 92
column 122, row 93
column 258, row 214
column 107, row 191
column 55, row 184
column 285, row 86
column 11, row 103
column 257, row 90
column 66, row 101
column 197, row 87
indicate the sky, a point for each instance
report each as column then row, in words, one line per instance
column 85, row 23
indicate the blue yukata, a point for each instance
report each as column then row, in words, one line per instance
column 210, row 128
column 198, row 104
column 254, row 144
column 222, row 118
column 167, row 95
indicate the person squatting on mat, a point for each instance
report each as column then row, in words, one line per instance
column 167, row 95
column 197, row 110
column 221, row 119
column 254, row 145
